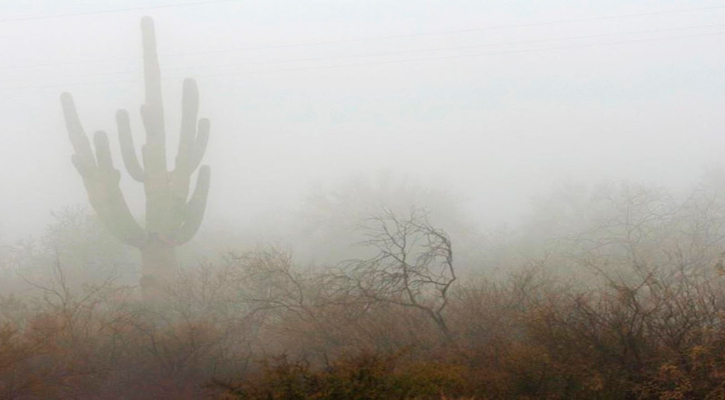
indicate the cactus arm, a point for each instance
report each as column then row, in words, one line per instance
column 101, row 179
column 130, row 160
column 103, row 155
column 194, row 209
column 189, row 115
column 83, row 157
column 202, row 138
column 192, row 143
column 107, row 199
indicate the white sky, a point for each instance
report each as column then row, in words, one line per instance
column 497, row 111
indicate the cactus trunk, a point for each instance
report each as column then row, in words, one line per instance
column 159, row 267
column 172, row 217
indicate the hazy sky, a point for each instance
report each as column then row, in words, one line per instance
column 498, row 100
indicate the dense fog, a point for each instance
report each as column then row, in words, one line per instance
column 492, row 103
column 479, row 139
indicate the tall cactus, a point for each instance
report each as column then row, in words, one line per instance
column 172, row 218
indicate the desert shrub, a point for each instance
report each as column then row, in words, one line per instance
column 529, row 337
column 364, row 376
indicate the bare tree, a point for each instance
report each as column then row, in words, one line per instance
column 412, row 267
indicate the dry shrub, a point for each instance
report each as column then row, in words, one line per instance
column 659, row 336
column 364, row 376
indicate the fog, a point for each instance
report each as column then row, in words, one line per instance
column 492, row 103
column 398, row 199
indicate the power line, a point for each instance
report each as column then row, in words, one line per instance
column 347, row 41
column 467, row 30
column 117, row 10
column 449, row 48
column 382, row 62
column 439, row 49
column 198, row 3
column 460, row 56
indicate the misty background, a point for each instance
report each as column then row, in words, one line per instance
column 470, row 109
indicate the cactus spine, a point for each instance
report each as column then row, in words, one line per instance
column 172, row 218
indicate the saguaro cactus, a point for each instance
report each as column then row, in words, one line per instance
column 171, row 217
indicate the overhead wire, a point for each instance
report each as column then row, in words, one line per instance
column 364, row 64
column 114, row 11
column 473, row 55
column 349, row 41
column 476, row 29
column 395, row 53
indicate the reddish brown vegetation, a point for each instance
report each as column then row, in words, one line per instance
column 645, row 322
column 257, row 329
